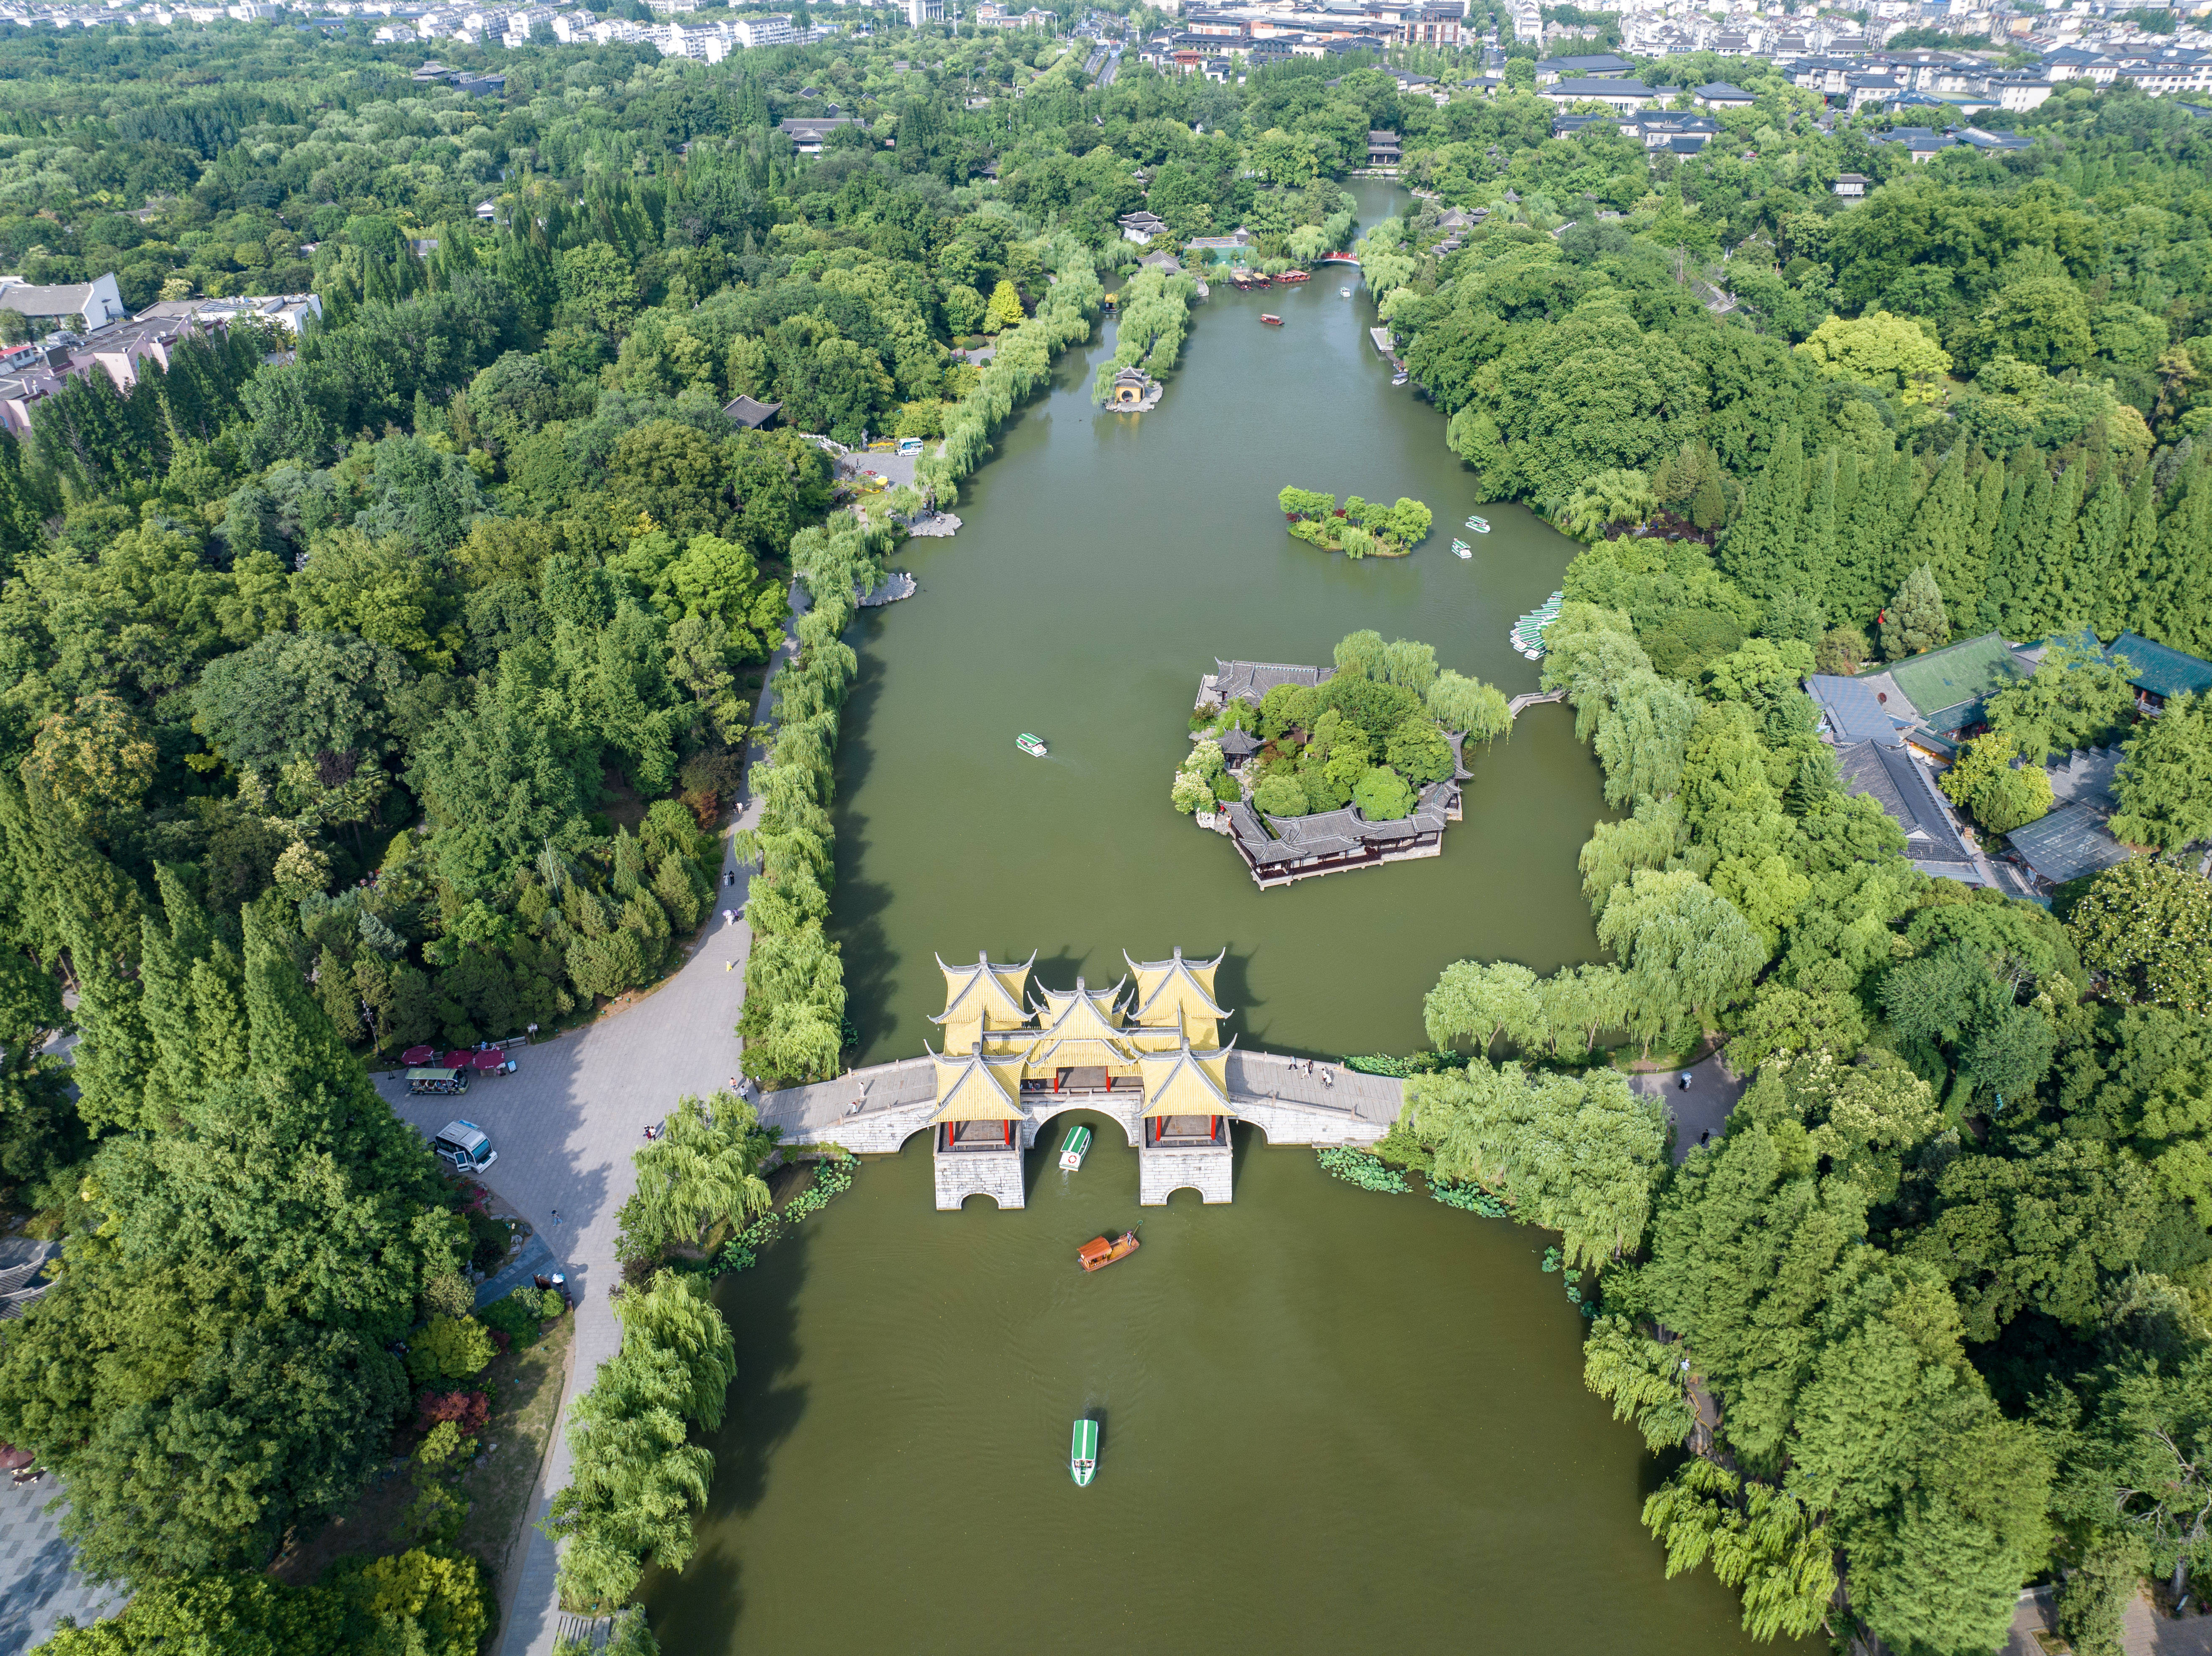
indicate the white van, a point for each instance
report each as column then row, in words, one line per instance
column 465, row 1145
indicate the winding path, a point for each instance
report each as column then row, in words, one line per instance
column 565, row 1125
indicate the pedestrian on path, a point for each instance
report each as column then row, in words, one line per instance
column 1685, row 1080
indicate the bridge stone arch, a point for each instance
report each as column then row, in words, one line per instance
column 1043, row 1106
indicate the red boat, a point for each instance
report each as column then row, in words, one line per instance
column 1272, row 320
column 1099, row 1252
column 1295, row 276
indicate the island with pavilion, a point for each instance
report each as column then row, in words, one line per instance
column 1147, row 1051
column 1278, row 830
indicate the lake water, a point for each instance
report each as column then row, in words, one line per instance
column 1105, row 562
column 1333, row 1421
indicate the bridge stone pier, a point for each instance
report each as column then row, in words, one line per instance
column 875, row 1111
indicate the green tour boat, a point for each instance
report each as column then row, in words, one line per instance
column 1030, row 745
column 1073, row 1147
column 1083, row 1452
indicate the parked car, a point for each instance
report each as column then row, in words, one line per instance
column 465, row 1145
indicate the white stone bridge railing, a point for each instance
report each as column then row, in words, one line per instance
column 872, row 1112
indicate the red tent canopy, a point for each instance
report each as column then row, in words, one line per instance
column 458, row 1059
column 415, row 1057
column 488, row 1061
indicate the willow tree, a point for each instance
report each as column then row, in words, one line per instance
column 1580, row 1154
column 638, row 1478
column 704, row 1169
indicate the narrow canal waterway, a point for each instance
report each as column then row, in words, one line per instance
column 1333, row 1421
column 1105, row 560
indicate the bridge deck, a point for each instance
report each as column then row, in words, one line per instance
column 875, row 1109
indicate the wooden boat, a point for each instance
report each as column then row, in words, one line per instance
column 1271, row 319
column 1073, row 1147
column 1295, row 276
column 1083, row 1452
column 1030, row 745
column 1100, row 1251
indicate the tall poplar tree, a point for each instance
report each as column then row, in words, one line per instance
column 1942, row 535
column 2130, row 571
column 2181, row 605
column 1816, row 538
column 1989, row 510
column 2055, row 600
column 2104, row 516
column 2004, row 547
column 1761, row 550
column 1867, row 572
column 2015, row 569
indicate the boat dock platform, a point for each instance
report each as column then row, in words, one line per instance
column 894, row 586
column 1384, row 345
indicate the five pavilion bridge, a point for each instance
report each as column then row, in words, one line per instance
column 1146, row 1052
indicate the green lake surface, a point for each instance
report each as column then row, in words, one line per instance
column 1333, row 1421
column 1103, row 562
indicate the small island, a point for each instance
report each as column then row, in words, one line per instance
column 1315, row 770
column 1358, row 529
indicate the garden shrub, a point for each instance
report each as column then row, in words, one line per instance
column 467, row 1410
column 518, row 1315
column 449, row 1347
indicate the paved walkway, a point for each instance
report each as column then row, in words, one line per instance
column 1703, row 1107
column 2144, row 1631
column 39, row 1569
column 566, row 1124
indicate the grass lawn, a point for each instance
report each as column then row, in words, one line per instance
column 525, row 1388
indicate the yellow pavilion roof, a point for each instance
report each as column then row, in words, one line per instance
column 1084, row 1051
column 1058, row 1002
column 1160, row 1037
column 983, row 995
column 977, row 1088
column 1170, row 989
column 1081, row 1015
column 1185, row 1082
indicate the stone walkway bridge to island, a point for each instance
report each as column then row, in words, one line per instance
column 874, row 1111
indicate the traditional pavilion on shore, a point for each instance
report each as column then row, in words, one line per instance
column 1146, row 1052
